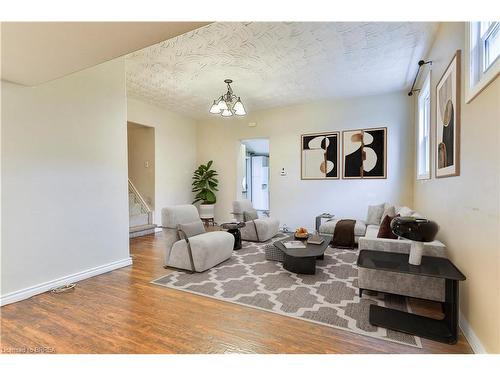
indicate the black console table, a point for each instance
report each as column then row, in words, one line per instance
column 444, row 330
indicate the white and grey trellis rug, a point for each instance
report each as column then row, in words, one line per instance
column 330, row 297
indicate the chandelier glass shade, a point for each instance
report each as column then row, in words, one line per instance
column 228, row 104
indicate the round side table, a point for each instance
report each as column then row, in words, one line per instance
column 234, row 229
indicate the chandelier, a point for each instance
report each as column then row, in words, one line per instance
column 228, row 104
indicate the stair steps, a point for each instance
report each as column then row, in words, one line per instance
column 141, row 230
column 140, row 215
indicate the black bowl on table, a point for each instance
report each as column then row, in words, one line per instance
column 301, row 237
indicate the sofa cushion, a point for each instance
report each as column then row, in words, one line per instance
column 250, row 214
column 375, row 214
column 384, row 230
column 372, row 231
column 329, row 227
column 403, row 211
column 192, row 229
column 239, row 207
column 266, row 227
column 208, row 250
column 172, row 216
column 389, row 210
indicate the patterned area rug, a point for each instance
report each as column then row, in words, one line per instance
column 330, row 297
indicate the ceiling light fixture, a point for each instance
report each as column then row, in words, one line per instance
column 228, row 104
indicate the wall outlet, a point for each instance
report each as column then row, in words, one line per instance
column 283, row 172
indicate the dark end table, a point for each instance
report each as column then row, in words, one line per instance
column 234, row 229
column 442, row 330
column 303, row 260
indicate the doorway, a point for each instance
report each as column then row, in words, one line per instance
column 141, row 176
column 254, row 183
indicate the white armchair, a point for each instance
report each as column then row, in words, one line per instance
column 255, row 229
column 198, row 250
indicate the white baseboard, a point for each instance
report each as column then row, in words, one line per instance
column 470, row 335
column 44, row 287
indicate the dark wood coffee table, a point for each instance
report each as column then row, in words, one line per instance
column 303, row 260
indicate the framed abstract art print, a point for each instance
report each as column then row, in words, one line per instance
column 448, row 120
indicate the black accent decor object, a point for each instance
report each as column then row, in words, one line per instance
column 442, row 330
column 234, row 229
column 303, row 260
column 415, row 229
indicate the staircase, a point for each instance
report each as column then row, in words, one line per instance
column 139, row 213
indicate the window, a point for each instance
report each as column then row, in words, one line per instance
column 483, row 50
column 490, row 42
column 424, row 130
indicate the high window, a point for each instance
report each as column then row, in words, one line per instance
column 483, row 52
column 424, row 130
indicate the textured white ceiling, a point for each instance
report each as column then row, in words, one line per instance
column 277, row 63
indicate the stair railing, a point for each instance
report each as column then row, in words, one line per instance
column 145, row 209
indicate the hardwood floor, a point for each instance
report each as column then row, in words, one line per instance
column 121, row 312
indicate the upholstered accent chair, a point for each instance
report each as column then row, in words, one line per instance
column 255, row 229
column 189, row 247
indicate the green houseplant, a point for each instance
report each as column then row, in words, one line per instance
column 205, row 185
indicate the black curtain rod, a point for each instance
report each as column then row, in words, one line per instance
column 420, row 63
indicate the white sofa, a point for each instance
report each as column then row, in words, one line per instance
column 367, row 228
column 370, row 241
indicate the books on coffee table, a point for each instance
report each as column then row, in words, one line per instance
column 294, row 244
column 315, row 240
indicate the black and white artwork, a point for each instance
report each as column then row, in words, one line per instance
column 448, row 120
column 364, row 153
column 320, row 156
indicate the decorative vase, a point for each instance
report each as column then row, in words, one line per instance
column 416, row 251
column 418, row 231
column 207, row 211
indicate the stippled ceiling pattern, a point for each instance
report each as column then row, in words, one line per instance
column 275, row 64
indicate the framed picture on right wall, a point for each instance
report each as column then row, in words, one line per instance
column 448, row 120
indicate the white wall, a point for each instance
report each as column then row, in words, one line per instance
column 175, row 149
column 64, row 177
column 294, row 201
column 467, row 207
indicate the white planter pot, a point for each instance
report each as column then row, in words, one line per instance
column 207, row 211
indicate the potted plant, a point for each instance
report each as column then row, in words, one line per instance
column 205, row 186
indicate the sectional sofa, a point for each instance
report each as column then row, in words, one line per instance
column 366, row 236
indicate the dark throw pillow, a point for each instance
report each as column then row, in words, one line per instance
column 385, row 228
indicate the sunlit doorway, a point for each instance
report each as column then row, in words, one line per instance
column 254, row 179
